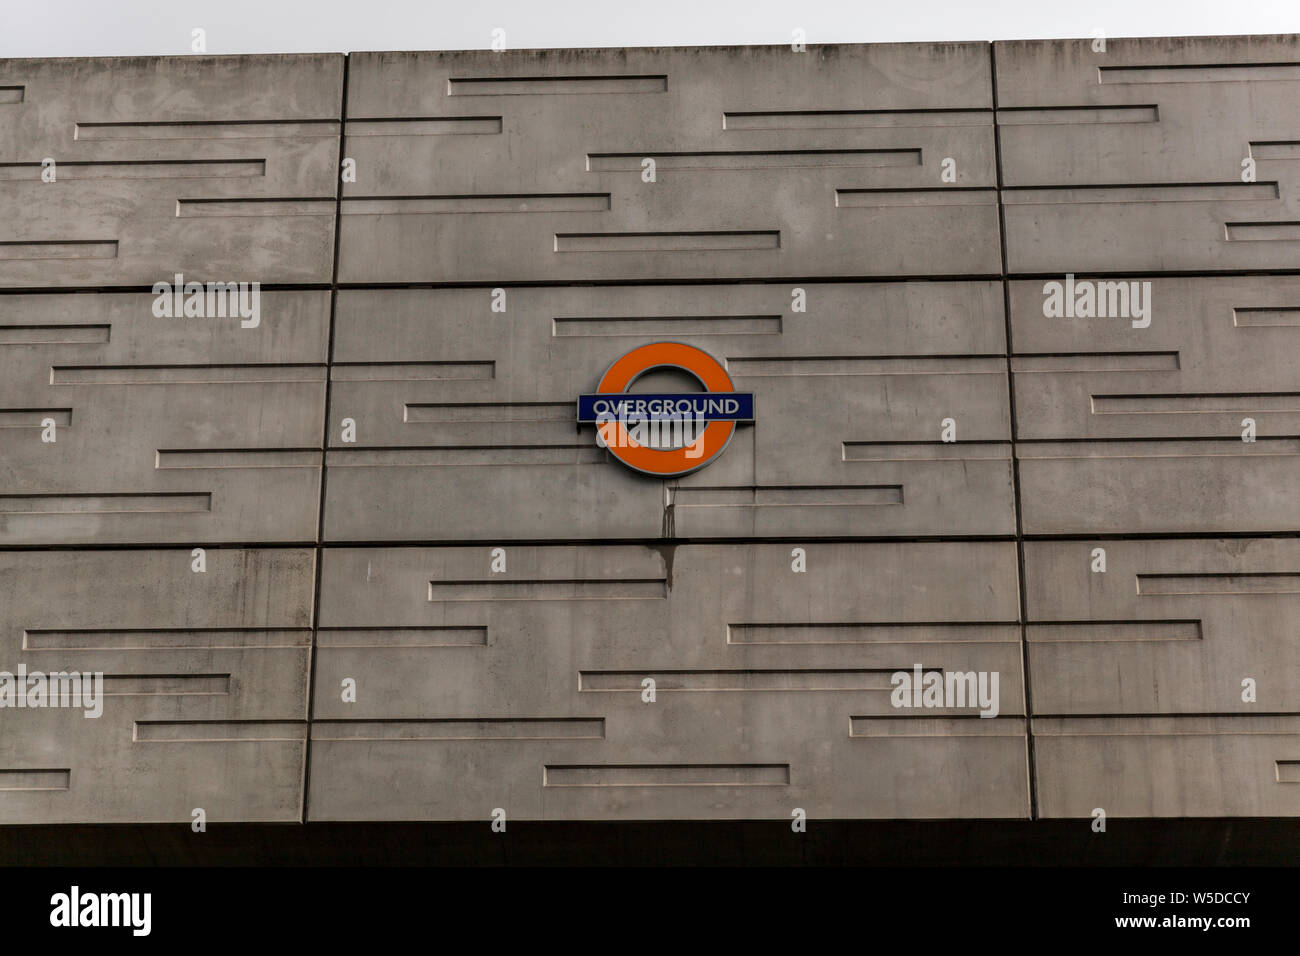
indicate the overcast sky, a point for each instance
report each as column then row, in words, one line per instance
column 122, row 27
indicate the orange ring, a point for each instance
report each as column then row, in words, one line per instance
column 666, row 462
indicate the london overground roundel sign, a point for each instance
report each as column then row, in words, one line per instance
column 666, row 435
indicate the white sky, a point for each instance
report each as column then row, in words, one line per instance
column 125, row 27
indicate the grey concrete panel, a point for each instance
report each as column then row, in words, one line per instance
column 475, row 165
column 167, row 430
column 1159, row 487
column 522, row 689
column 870, row 78
column 1214, row 766
column 1139, row 429
column 205, row 680
column 1131, row 159
column 1217, row 350
column 456, row 405
column 133, row 173
column 1171, row 627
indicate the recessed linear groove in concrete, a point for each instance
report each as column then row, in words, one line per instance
column 926, row 451
column 1263, row 317
column 1143, row 193
column 1195, row 403
column 1227, row 582
column 411, row 371
column 199, row 459
column 1275, row 150
column 58, row 249
column 656, row 325
column 909, row 725
column 33, row 417
column 479, row 204
column 54, row 334
column 463, row 728
column 871, row 198
column 183, row 374
column 1029, row 362
column 750, row 679
column 424, row 126
column 166, row 685
column 1076, row 115
column 430, row 635
column 1107, row 632
column 1166, row 725
column 487, row 412
column 1199, row 73
column 699, row 496
column 1288, row 231
column 552, row 85
column 666, row 775
column 23, row 779
column 252, row 208
column 178, row 638
column 855, row 119
column 867, row 365
column 105, row 504
column 217, row 731
column 453, row 455
column 589, row 589
column 896, row 632
column 208, row 129
column 1188, row 447
column 703, row 241
column 753, row 159
column 138, row 169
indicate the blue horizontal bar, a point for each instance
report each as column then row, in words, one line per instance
column 713, row 406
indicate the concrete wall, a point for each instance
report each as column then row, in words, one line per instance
column 350, row 464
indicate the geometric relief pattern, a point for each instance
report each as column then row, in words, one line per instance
column 423, row 591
